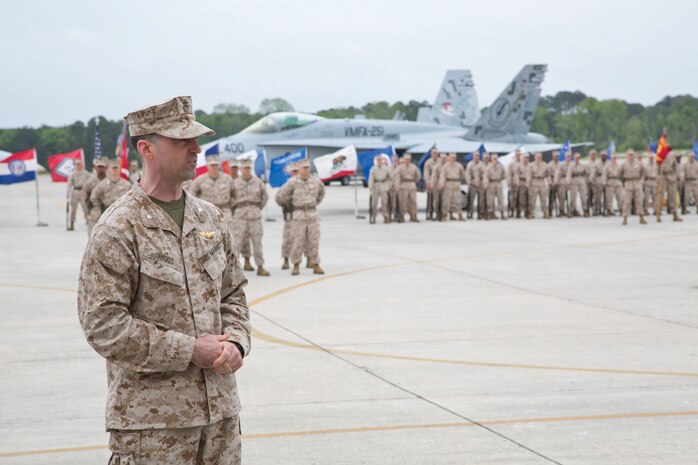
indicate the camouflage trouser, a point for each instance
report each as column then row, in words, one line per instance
column 578, row 188
column 286, row 241
column 201, row 445
column 379, row 197
column 670, row 190
column 632, row 191
column 521, row 199
column 495, row 190
column 451, row 200
column 596, row 196
column 393, row 200
column 481, row 202
column 243, row 246
column 77, row 197
column 472, row 195
column 430, row 202
column 438, row 200
column 614, row 191
column 250, row 231
column 562, row 198
column 305, row 238
column 512, row 199
column 690, row 192
column 408, row 201
column 538, row 189
column 649, row 193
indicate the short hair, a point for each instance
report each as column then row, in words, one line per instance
column 149, row 137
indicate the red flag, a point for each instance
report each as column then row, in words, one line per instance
column 62, row 165
column 122, row 151
column 663, row 149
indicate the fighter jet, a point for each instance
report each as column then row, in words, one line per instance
column 502, row 128
column 456, row 102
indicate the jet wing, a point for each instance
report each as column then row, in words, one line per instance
column 458, row 145
column 340, row 143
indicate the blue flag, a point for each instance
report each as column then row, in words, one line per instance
column 278, row 175
column 260, row 163
column 563, row 151
column 652, row 146
column 611, row 149
column 481, row 150
column 366, row 158
column 213, row 150
column 695, row 149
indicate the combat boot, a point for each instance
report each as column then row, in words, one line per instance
column 261, row 271
column 307, row 263
column 586, row 214
column 71, row 227
column 386, row 220
column 502, row 216
column 248, row 265
column 676, row 217
column 460, row 217
column 413, row 219
column 372, row 220
column 400, row 219
column 451, row 217
column 642, row 219
column 546, row 216
column 625, row 221
column 285, row 265
column 296, row 269
column 443, row 217
column 318, row 270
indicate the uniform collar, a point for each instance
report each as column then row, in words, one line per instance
column 152, row 216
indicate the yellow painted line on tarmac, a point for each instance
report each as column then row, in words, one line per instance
column 370, row 429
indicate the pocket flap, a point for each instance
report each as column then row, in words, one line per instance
column 162, row 272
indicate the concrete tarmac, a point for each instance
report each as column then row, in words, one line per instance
column 570, row 341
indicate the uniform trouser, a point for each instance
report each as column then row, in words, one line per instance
column 540, row 190
column 430, row 202
column 522, row 199
column 578, row 189
column 690, row 192
column 77, row 197
column 649, row 193
column 632, row 191
column 243, row 246
column 614, row 191
column 451, row 199
column 408, row 200
column 596, row 196
column 481, row 201
column 552, row 198
column 250, row 231
column 379, row 196
column 218, row 443
column 472, row 196
column 438, row 198
column 562, row 191
column 494, row 190
column 286, row 241
column 512, row 198
column 393, row 199
column 305, row 238
column 670, row 189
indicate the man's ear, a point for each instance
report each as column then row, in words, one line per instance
column 145, row 149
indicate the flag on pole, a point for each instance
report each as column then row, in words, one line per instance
column 611, row 149
column 337, row 164
column 122, row 151
column 62, row 165
column 566, row 147
column 98, row 142
column 663, row 149
column 366, row 158
column 278, row 172
column 259, row 160
column 652, row 146
column 18, row 167
column 695, row 149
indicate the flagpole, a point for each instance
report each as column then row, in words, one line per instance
column 39, row 223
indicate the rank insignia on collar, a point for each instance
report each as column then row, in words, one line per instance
column 207, row 234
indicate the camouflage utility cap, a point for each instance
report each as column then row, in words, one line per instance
column 305, row 163
column 100, row 162
column 172, row 118
column 212, row 160
column 246, row 163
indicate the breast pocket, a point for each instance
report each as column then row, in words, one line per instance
column 215, row 265
column 161, row 290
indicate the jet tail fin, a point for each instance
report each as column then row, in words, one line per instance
column 513, row 111
column 456, row 102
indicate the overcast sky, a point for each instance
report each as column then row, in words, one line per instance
column 70, row 60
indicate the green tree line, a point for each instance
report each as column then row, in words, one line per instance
column 572, row 115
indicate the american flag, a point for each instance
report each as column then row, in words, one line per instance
column 98, row 141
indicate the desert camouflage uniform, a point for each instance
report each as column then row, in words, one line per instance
column 438, row 191
column 407, row 177
column 304, row 196
column 106, row 193
column 76, row 184
column 145, row 294
column 450, row 177
column 576, row 178
column 537, row 178
column 379, row 185
column 472, row 179
column 552, row 186
column 522, row 190
column 689, row 173
column 429, row 184
column 393, row 194
column 668, row 172
column 493, row 183
column 512, row 179
column 595, row 172
column 248, row 199
column 614, row 188
column 632, row 175
column 649, row 186
column 562, row 186
column 482, row 198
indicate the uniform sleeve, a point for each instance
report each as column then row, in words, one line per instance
column 284, row 195
column 108, row 281
column 96, row 201
column 320, row 192
column 196, row 189
column 235, row 315
column 604, row 175
column 265, row 195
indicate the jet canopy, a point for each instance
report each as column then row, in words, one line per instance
column 282, row 121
